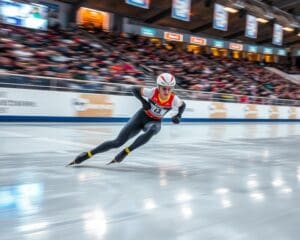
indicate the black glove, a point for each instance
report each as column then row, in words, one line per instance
column 176, row 119
column 146, row 105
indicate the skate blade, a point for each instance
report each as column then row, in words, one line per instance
column 111, row 162
column 70, row 164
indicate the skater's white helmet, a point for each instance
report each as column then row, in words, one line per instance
column 166, row 80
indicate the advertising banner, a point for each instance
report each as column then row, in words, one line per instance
column 220, row 17
column 173, row 36
column 268, row 50
column 139, row 3
column 251, row 26
column 236, row 46
column 148, row 32
column 277, row 34
column 181, row 9
column 28, row 15
column 37, row 103
column 253, row 49
column 218, row 44
column 281, row 52
column 198, row 40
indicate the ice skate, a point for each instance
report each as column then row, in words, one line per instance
column 79, row 159
column 119, row 157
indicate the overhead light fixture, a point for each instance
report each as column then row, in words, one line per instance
column 298, row 34
column 269, row 16
column 262, row 20
column 231, row 10
column 240, row 4
column 288, row 29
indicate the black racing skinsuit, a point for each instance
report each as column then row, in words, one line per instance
column 139, row 121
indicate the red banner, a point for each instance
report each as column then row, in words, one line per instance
column 198, row 41
column 236, row 46
column 173, row 36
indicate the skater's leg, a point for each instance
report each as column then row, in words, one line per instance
column 151, row 128
column 132, row 128
column 128, row 131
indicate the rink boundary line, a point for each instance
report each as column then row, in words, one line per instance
column 125, row 119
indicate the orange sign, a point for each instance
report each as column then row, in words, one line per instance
column 236, row 46
column 173, row 36
column 251, row 111
column 87, row 16
column 92, row 105
column 293, row 113
column 198, row 40
column 217, row 110
column 274, row 112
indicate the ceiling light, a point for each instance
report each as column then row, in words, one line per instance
column 262, row 20
column 231, row 10
column 288, row 29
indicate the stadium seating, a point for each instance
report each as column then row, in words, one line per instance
column 109, row 57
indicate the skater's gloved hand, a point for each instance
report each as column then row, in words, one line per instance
column 146, row 105
column 176, row 119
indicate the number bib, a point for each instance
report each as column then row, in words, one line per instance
column 159, row 108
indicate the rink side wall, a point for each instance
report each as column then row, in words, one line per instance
column 26, row 105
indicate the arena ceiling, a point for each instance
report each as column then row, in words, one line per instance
column 159, row 14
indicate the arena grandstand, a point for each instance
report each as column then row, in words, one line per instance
column 106, row 45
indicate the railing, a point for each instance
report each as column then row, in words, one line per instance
column 62, row 84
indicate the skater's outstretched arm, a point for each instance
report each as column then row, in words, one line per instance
column 137, row 92
column 177, row 118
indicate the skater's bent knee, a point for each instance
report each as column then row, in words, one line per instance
column 154, row 129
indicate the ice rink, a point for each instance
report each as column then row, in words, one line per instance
column 191, row 181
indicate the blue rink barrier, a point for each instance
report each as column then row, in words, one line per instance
column 125, row 119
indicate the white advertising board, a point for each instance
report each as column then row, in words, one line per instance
column 23, row 102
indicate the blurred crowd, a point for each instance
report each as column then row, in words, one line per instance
column 278, row 86
column 203, row 73
column 62, row 54
column 113, row 58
